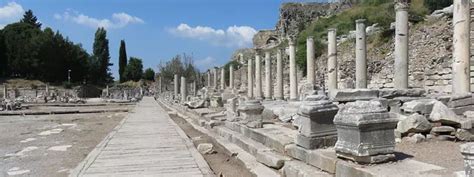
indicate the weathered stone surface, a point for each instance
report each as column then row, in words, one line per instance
column 316, row 128
column 365, row 132
column 216, row 102
column 416, row 138
column 231, row 108
column 467, row 151
column 464, row 135
column 442, row 130
column 441, row 113
column 271, row 159
column 461, row 100
column 422, row 106
column 251, row 112
column 392, row 93
column 300, row 169
column 414, row 123
column 196, row 104
column 205, row 148
column 355, row 94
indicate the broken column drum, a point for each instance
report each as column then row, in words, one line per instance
column 268, row 76
column 251, row 111
column 316, row 117
column 365, row 132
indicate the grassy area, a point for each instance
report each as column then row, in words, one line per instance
column 374, row 11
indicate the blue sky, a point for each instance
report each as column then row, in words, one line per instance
column 155, row 30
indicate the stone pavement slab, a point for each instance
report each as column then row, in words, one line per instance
column 147, row 143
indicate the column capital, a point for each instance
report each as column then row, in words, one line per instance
column 310, row 38
column 361, row 21
column 402, row 5
column 332, row 29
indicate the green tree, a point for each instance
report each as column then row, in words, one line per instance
column 3, row 56
column 102, row 57
column 134, row 69
column 122, row 61
column 433, row 5
column 180, row 64
column 31, row 19
column 149, row 74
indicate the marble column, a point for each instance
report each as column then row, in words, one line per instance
column 47, row 90
column 231, row 76
column 250, row 78
column 106, row 91
column 5, row 91
column 332, row 61
column 268, row 76
column 183, row 89
column 279, row 76
column 310, row 71
column 461, row 51
column 209, row 79
column 361, row 55
column 176, row 86
column 258, row 77
column 194, row 88
column 215, row 77
column 293, row 79
column 400, row 78
column 222, row 78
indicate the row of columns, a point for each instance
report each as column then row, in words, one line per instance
column 461, row 57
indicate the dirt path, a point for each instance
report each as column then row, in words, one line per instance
column 50, row 145
column 221, row 163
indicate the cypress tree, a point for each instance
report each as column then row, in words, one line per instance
column 122, row 61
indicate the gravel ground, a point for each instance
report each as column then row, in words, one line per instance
column 50, row 145
column 442, row 153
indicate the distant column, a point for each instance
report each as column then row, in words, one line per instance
column 215, row 77
column 231, row 76
column 222, row 78
column 258, row 77
column 268, row 76
column 209, row 79
column 176, row 86
column 361, row 56
column 194, row 88
column 293, row 81
column 47, row 90
column 106, row 91
column 332, row 61
column 183, row 89
column 310, row 60
column 401, row 45
column 279, row 76
column 461, row 53
column 5, row 91
column 249, row 79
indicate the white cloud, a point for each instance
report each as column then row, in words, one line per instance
column 10, row 13
column 205, row 63
column 118, row 20
column 233, row 36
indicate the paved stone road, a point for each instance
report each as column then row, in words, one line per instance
column 147, row 143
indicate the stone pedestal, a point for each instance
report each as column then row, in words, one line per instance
column 293, row 79
column 361, row 55
column 279, row 76
column 250, row 79
column 268, row 76
column 365, row 132
column 332, row 61
column 183, row 89
column 461, row 50
column 251, row 112
column 467, row 151
column 316, row 122
column 310, row 60
column 258, row 77
column 400, row 78
column 231, row 76
column 176, row 86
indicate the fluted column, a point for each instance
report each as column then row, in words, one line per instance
column 231, row 76
column 310, row 71
column 401, row 44
column 461, row 53
column 183, row 89
column 279, row 76
column 332, row 61
column 293, row 79
column 268, row 76
column 250, row 78
column 176, row 86
column 258, row 77
column 361, row 56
